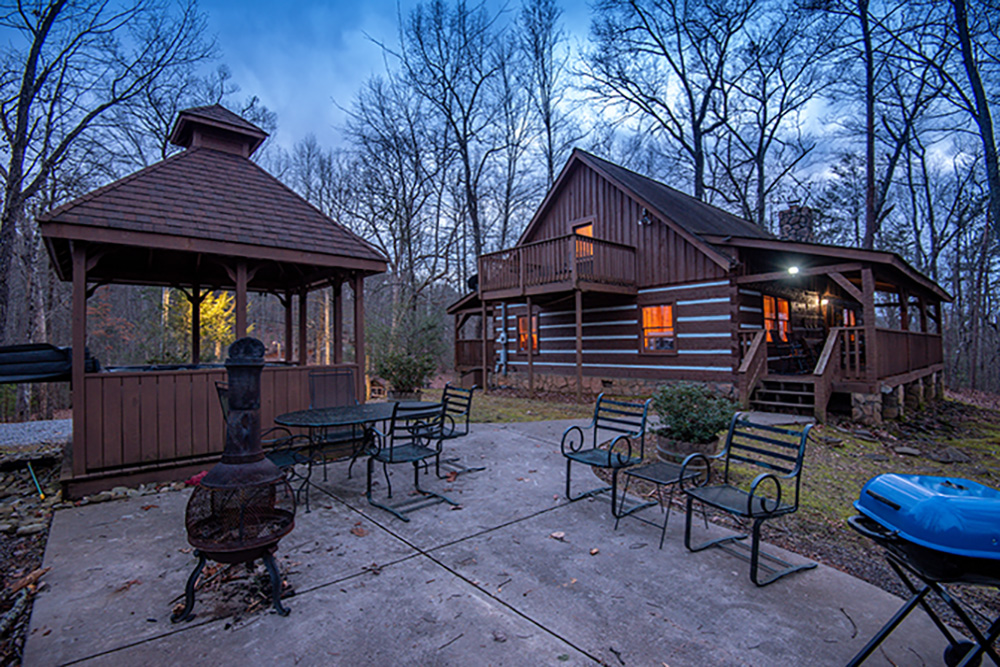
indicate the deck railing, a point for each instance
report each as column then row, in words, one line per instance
column 904, row 351
column 564, row 260
column 753, row 363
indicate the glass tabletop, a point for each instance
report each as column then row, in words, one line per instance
column 350, row 415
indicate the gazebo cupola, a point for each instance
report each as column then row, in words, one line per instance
column 217, row 128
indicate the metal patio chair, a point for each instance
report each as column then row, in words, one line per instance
column 617, row 440
column 456, row 406
column 772, row 493
column 330, row 388
column 406, row 440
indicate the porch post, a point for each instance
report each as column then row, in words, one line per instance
column 579, row 343
column 922, row 308
column 485, row 336
column 79, row 253
column 287, row 303
column 530, row 346
column 904, row 309
column 195, row 323
column 303, row 327
column 359, row 334
column 868, row 309
column 338, row 321
column 241, row 300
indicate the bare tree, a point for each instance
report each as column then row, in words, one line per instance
column 542, row 42
column 448, row 56
column 669, row 60
column 74, row 62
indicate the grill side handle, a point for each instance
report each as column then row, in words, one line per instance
column 871, row 529
column 882, row 499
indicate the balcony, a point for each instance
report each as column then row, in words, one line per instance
column 561, row 264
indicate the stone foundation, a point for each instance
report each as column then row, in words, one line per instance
column 566, row 384
column 892, row 403
column 867, row 408
column 913, row 395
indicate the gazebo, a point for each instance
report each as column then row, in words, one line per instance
column 205, row 219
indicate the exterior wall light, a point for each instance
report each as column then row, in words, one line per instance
column 793, row 270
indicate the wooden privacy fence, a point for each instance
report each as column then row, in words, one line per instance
column 139, row 419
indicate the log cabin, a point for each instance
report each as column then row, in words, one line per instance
column 620, row 283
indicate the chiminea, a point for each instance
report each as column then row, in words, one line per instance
column 244, row 505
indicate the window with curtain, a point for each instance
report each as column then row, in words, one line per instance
column 584, row 246
column 522, row 333
column 776, row 320
column 658, row 328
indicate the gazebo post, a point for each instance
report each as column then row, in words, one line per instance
column 287, row 303
column 79, row 344
column 303, row 353
column 241, row 300
column 358, row 285
column 338, row 320
column 195, row 300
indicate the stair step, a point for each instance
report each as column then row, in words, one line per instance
column 786, row 392
column 781, row 404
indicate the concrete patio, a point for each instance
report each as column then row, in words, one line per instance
column 485, row 584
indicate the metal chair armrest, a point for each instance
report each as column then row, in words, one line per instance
column 622, row 459
column 572, row 447
column 688, row 460
column 752, row 496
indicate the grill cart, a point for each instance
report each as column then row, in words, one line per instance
column 935, row 531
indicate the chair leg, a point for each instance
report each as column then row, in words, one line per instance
column 709, row 543
column 594, row 492
column 756, row 565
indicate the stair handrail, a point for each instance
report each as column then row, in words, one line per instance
column 826, row 372
column 752, row 367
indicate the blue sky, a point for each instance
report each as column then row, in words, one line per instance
column 303, row 57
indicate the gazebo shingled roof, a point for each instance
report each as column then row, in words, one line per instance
column 207, row 201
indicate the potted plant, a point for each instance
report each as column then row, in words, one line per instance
column 691, row 416
column 405, row 373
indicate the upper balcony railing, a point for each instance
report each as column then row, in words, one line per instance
column 562, row 263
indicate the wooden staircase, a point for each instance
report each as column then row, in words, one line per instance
column 789, row 394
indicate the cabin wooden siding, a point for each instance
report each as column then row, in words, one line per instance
column 663, row 256
column 705, row 343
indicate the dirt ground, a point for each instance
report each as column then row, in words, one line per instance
column 950, row 438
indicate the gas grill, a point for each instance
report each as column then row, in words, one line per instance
column 935, row 531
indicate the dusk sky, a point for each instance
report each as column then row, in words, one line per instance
column 303, row 58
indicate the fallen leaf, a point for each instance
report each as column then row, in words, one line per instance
column 127, row 585
column 359, row 531
column 558, row 535
column 595, row 551
column 146, row 508
column 451, row 476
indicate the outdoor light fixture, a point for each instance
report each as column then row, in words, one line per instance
column 644, row 219
column 824, row 302
column 793, row 270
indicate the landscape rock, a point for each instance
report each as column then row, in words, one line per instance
column 31, row 529
column 908, row 451
column 875, row 457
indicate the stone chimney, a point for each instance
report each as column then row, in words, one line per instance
column 796, row 223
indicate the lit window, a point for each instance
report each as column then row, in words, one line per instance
column 522, row 333
column 584, row 246
column 776, row 318
column 658, row 328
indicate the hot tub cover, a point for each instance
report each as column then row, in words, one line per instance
column 949, row 514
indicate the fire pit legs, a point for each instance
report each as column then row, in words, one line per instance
column 272, row 569
column 185, row 614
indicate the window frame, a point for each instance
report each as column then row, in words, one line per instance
column 784, row 333
column 672, row 305
column 523, row 332
column 581, row 247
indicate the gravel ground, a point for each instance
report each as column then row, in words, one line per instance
column 33, row 433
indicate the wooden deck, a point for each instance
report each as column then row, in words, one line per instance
column 559, row 264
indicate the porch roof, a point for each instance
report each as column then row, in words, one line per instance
column 832, row 257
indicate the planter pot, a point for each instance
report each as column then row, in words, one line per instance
column 395, row 395
column 668, row 449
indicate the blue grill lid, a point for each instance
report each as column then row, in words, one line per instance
column 949, row 514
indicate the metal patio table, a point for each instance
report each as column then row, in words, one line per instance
column 318, row 420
